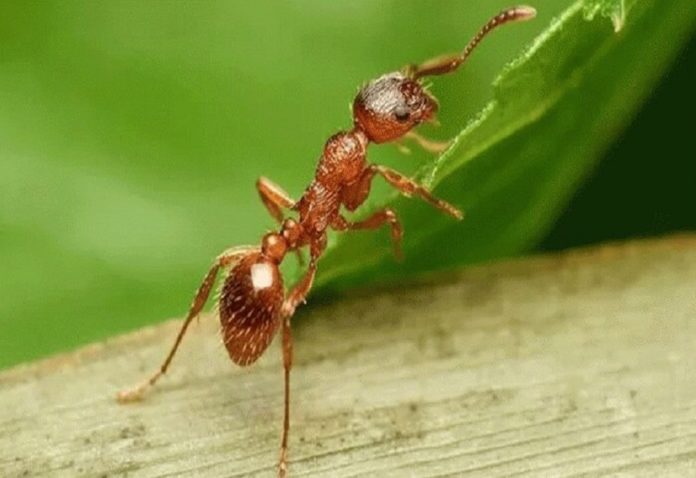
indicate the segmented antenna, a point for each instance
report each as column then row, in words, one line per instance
column 442, row 66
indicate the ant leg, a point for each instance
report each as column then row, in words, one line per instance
column 376, row 220
column 355, row 194
column 273, row 197
column 287, row 364
column 409, row 188
column 435, row 147
column 225, row 259
column 299, row 293
column 294, row 298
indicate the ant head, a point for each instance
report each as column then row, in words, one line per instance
column 390, row 106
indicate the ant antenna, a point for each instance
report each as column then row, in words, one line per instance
column 441, row 66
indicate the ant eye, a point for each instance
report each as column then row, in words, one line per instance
column 402, row 114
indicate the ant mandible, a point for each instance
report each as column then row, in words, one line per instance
column 252, row 303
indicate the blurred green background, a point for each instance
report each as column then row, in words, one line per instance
column 132, row 134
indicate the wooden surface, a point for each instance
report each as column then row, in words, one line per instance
column 581, row 364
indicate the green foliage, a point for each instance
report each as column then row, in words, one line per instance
column 514, row 167
column 132, row 134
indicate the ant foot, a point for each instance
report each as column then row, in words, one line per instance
column 131, row 395
column 282, row 465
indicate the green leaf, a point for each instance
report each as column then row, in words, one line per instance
column 132, row 134
column 515, row 165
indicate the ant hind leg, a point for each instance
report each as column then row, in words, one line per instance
column 136, row 393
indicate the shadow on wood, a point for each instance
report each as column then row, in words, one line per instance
column 580, row 363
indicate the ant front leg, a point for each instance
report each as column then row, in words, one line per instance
column 225, row 259
column 376, row 220
column 410, row 188
column 434, row 147
column 429, row 145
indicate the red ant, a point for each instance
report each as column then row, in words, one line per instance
column 252, row 303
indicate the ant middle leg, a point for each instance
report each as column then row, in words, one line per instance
column 376, row 220
column 223, row 260
column 410, row 188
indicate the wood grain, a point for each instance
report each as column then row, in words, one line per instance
column 579, row 364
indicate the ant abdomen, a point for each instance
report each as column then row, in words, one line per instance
column 249, row 305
